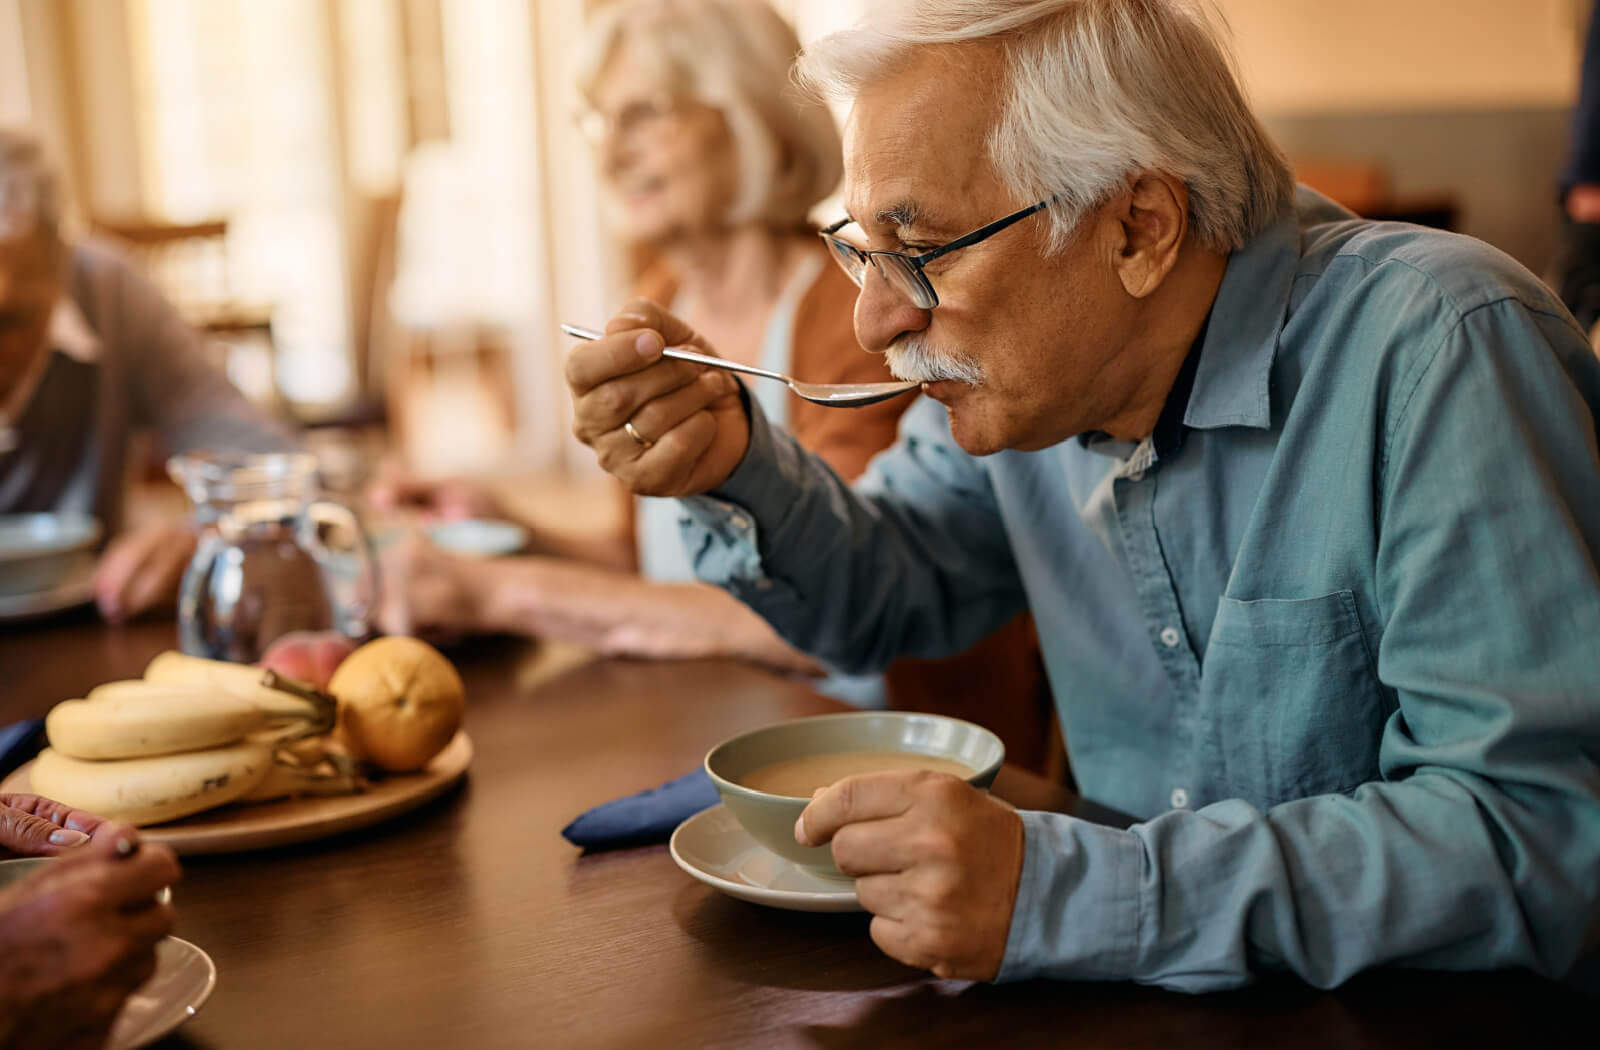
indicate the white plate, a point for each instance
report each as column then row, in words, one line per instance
column 64, row 596
column 714, row 848
column 182, row 983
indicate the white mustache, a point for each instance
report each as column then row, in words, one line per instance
column 912, row 360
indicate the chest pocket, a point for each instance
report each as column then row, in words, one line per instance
column 1291, row 697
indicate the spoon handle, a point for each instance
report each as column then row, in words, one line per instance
column 717, row 362
column 580, row 332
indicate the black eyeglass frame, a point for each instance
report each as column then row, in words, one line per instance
column 915, row 263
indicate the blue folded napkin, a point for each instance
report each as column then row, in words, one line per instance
column 19, row 742
column 648, row 817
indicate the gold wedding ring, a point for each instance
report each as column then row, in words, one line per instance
column 643, row 441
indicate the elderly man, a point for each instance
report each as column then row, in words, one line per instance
column 1307, row 510
column 88, row 351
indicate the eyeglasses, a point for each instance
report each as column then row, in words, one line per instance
column 640, row 115
column 903, row 271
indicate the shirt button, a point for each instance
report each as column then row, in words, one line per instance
column 1179, row 799
column 1170, row 637
column 763, row 584
column 741, row 522
column 1137, row 475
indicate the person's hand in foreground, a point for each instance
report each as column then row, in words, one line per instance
column 31, row 826
column 936, row 862
column 79, row 936
column 142, row 569
column 689, row 428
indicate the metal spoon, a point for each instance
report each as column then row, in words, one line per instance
column 838, row 395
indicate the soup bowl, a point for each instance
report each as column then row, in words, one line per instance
column 770, row 817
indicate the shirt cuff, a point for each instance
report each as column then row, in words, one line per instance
column 1077, row 910
column 720, row 530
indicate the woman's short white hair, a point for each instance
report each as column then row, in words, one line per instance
column 737, row 56
column 1094, row 91
column 30, row 196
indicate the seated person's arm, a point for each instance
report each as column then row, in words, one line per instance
column 178, row 389
column 428, row 591
column 191, row 405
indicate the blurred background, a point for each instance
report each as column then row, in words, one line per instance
column 381, row 209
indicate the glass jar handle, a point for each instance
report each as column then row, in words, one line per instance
column 355, row 587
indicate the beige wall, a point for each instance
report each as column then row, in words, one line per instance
column 15, row 107
column 112, row 180
column 1352, row 55
column 1324, row 55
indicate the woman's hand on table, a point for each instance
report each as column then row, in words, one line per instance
column 79, row 936
column 428, row 592
column 936, row 862
column 142, row 568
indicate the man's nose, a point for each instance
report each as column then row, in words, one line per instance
column 884, row 314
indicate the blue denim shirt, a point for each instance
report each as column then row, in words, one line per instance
column 1337, row 643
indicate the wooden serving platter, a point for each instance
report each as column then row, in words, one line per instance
column 262, row 825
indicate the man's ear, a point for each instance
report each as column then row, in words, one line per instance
column 1154, row 219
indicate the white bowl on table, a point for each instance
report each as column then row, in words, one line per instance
column 43, row 552
column 478, row 537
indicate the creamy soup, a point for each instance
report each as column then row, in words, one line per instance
column 800, row 777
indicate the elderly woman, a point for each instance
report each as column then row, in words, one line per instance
column 711, row 162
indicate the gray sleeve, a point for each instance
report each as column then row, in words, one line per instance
column 911, row 561
column 174, row 387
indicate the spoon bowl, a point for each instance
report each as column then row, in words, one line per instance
column 837, row 395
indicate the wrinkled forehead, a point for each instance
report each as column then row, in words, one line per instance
column 920, row 135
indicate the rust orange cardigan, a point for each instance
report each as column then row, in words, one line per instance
column 1000, row 682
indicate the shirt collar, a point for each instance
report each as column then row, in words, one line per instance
column 1233, row 378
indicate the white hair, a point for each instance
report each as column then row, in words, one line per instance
column 30, row 197
column 737, row 56
column 1093, row 92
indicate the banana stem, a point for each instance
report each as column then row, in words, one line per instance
column 324, row 713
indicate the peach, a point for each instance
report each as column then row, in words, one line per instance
column 308, row 656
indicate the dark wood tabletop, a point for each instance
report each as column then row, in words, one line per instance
column 472, row 924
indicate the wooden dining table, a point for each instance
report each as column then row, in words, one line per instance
column 470, row 924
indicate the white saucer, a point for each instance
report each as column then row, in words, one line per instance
column 182, row 983
column 714, row 848
column 68, row 595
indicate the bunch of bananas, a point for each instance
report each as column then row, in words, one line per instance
column 190, row 735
